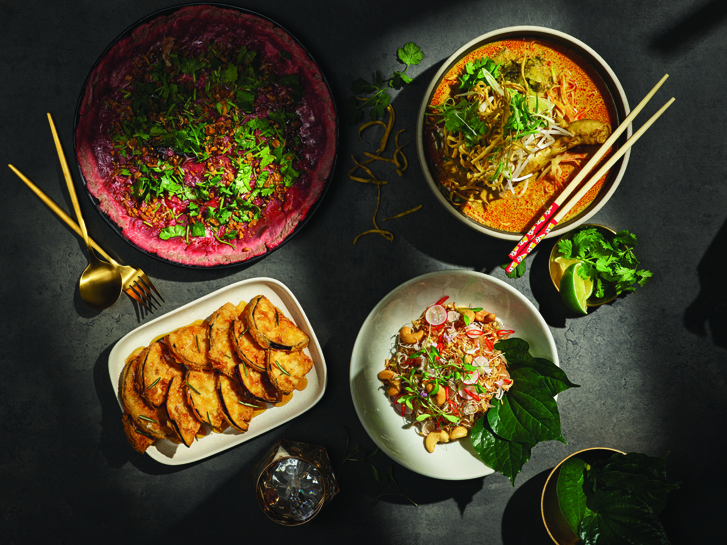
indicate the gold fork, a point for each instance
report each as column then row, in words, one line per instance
column 135, row 282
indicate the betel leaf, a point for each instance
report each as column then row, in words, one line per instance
column 635, row 474
column 518, row 356
column 614, row 518
column 516, row 351
column 569, row 489
column 528, row 413
column 507, row 457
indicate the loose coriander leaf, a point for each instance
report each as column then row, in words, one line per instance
column 410, row 54
column 399, row 80
column 569, row 489
column 507, row 457
column 362, row 87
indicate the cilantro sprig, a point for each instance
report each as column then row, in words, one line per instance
column 378, row 89
column 481, row 69
column 609, row 261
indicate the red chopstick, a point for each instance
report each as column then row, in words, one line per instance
column 555, row 217
column 592, row 162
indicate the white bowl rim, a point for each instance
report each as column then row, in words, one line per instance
column 503, row 33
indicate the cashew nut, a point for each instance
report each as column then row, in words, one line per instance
column 407, row 336
column 458, row 433
column 434, row 437
column 441, row 395
column 394, row 387
column 485, row 317
column 467, row 312
column 386, row 375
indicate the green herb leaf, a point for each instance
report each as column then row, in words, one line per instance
column 615, row 518
column 507, row 457
column 518, row 356
column 518, row 271
column 569, row 489
column 608, row 261
column 637, row 475
column 410, row 55
column 528, row 413
column 173, row 231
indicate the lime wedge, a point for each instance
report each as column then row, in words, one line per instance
column 564, row 263
column 575, row 290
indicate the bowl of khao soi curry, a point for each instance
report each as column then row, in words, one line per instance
column 509, row 119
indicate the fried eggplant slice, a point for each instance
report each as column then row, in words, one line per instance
column 258, row 384
column 138, row 438
column 156, row 372
column 222, row 353
column 201, row 391
column 271, row 328
column 148, row 418
column 238, row 405
column 287, row 369
column 180, row 413
column 246, row 347
column 190, row 346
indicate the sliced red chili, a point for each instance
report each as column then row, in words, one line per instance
column 442, row 300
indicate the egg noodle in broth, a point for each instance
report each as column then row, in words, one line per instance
column 509, row 124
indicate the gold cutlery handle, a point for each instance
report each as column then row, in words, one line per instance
column 59, row 212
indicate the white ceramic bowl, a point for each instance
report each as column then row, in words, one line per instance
column 375, row 341
column 589, row 56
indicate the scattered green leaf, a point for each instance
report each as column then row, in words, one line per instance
column 378, row 88
column 610, row 262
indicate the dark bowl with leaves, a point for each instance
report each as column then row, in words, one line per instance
column 555, row 522
column 606, row 496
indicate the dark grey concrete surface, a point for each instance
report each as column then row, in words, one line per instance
column 650, row 366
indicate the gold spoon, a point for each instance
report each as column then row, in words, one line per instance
column 100, row 283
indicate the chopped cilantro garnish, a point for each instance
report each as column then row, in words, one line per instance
column 207, row 138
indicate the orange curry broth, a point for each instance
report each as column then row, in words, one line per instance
column 517, row 213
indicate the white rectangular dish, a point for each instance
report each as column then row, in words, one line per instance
column 169, row 453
